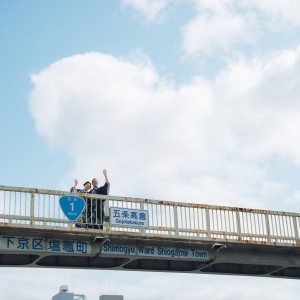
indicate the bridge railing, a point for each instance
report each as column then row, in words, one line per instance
column 27, row 207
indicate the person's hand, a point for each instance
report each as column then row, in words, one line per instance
column 75, row 182
column 105, row 176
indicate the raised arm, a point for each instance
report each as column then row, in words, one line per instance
column 73, row 189
column 105, row 176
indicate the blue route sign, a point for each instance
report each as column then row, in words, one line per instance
column 72, row 206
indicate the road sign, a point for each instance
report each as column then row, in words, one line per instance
column 72, row 206
column 126, row 217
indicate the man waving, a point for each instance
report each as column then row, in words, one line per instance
column 98, row 204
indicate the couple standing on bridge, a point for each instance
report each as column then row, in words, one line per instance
column 93, row 214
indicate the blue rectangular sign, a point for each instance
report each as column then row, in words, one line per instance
column 39, row 244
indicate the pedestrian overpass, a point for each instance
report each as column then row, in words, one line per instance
column 179, row 237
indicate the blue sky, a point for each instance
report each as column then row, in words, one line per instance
column 36, row 34
column 184, row 100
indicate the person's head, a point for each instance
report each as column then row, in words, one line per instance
column 95, row 182
column 87, row 185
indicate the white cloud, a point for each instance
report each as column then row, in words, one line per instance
column 293, row 199
column 217, row 27
column 280, row 13
column 267, row 100
column 201, row 141
column 151, row 9
column 230, row 26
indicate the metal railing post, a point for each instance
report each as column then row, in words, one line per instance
column 142, row 230
column 296, row 230
column 268, row 228
column 176, row 220
column 238, row 225
column 207, row 223
column 107, row 225
column 31, row 208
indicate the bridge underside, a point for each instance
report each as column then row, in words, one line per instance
column 115, row 251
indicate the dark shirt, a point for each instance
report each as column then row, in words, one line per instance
column 102, row 190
